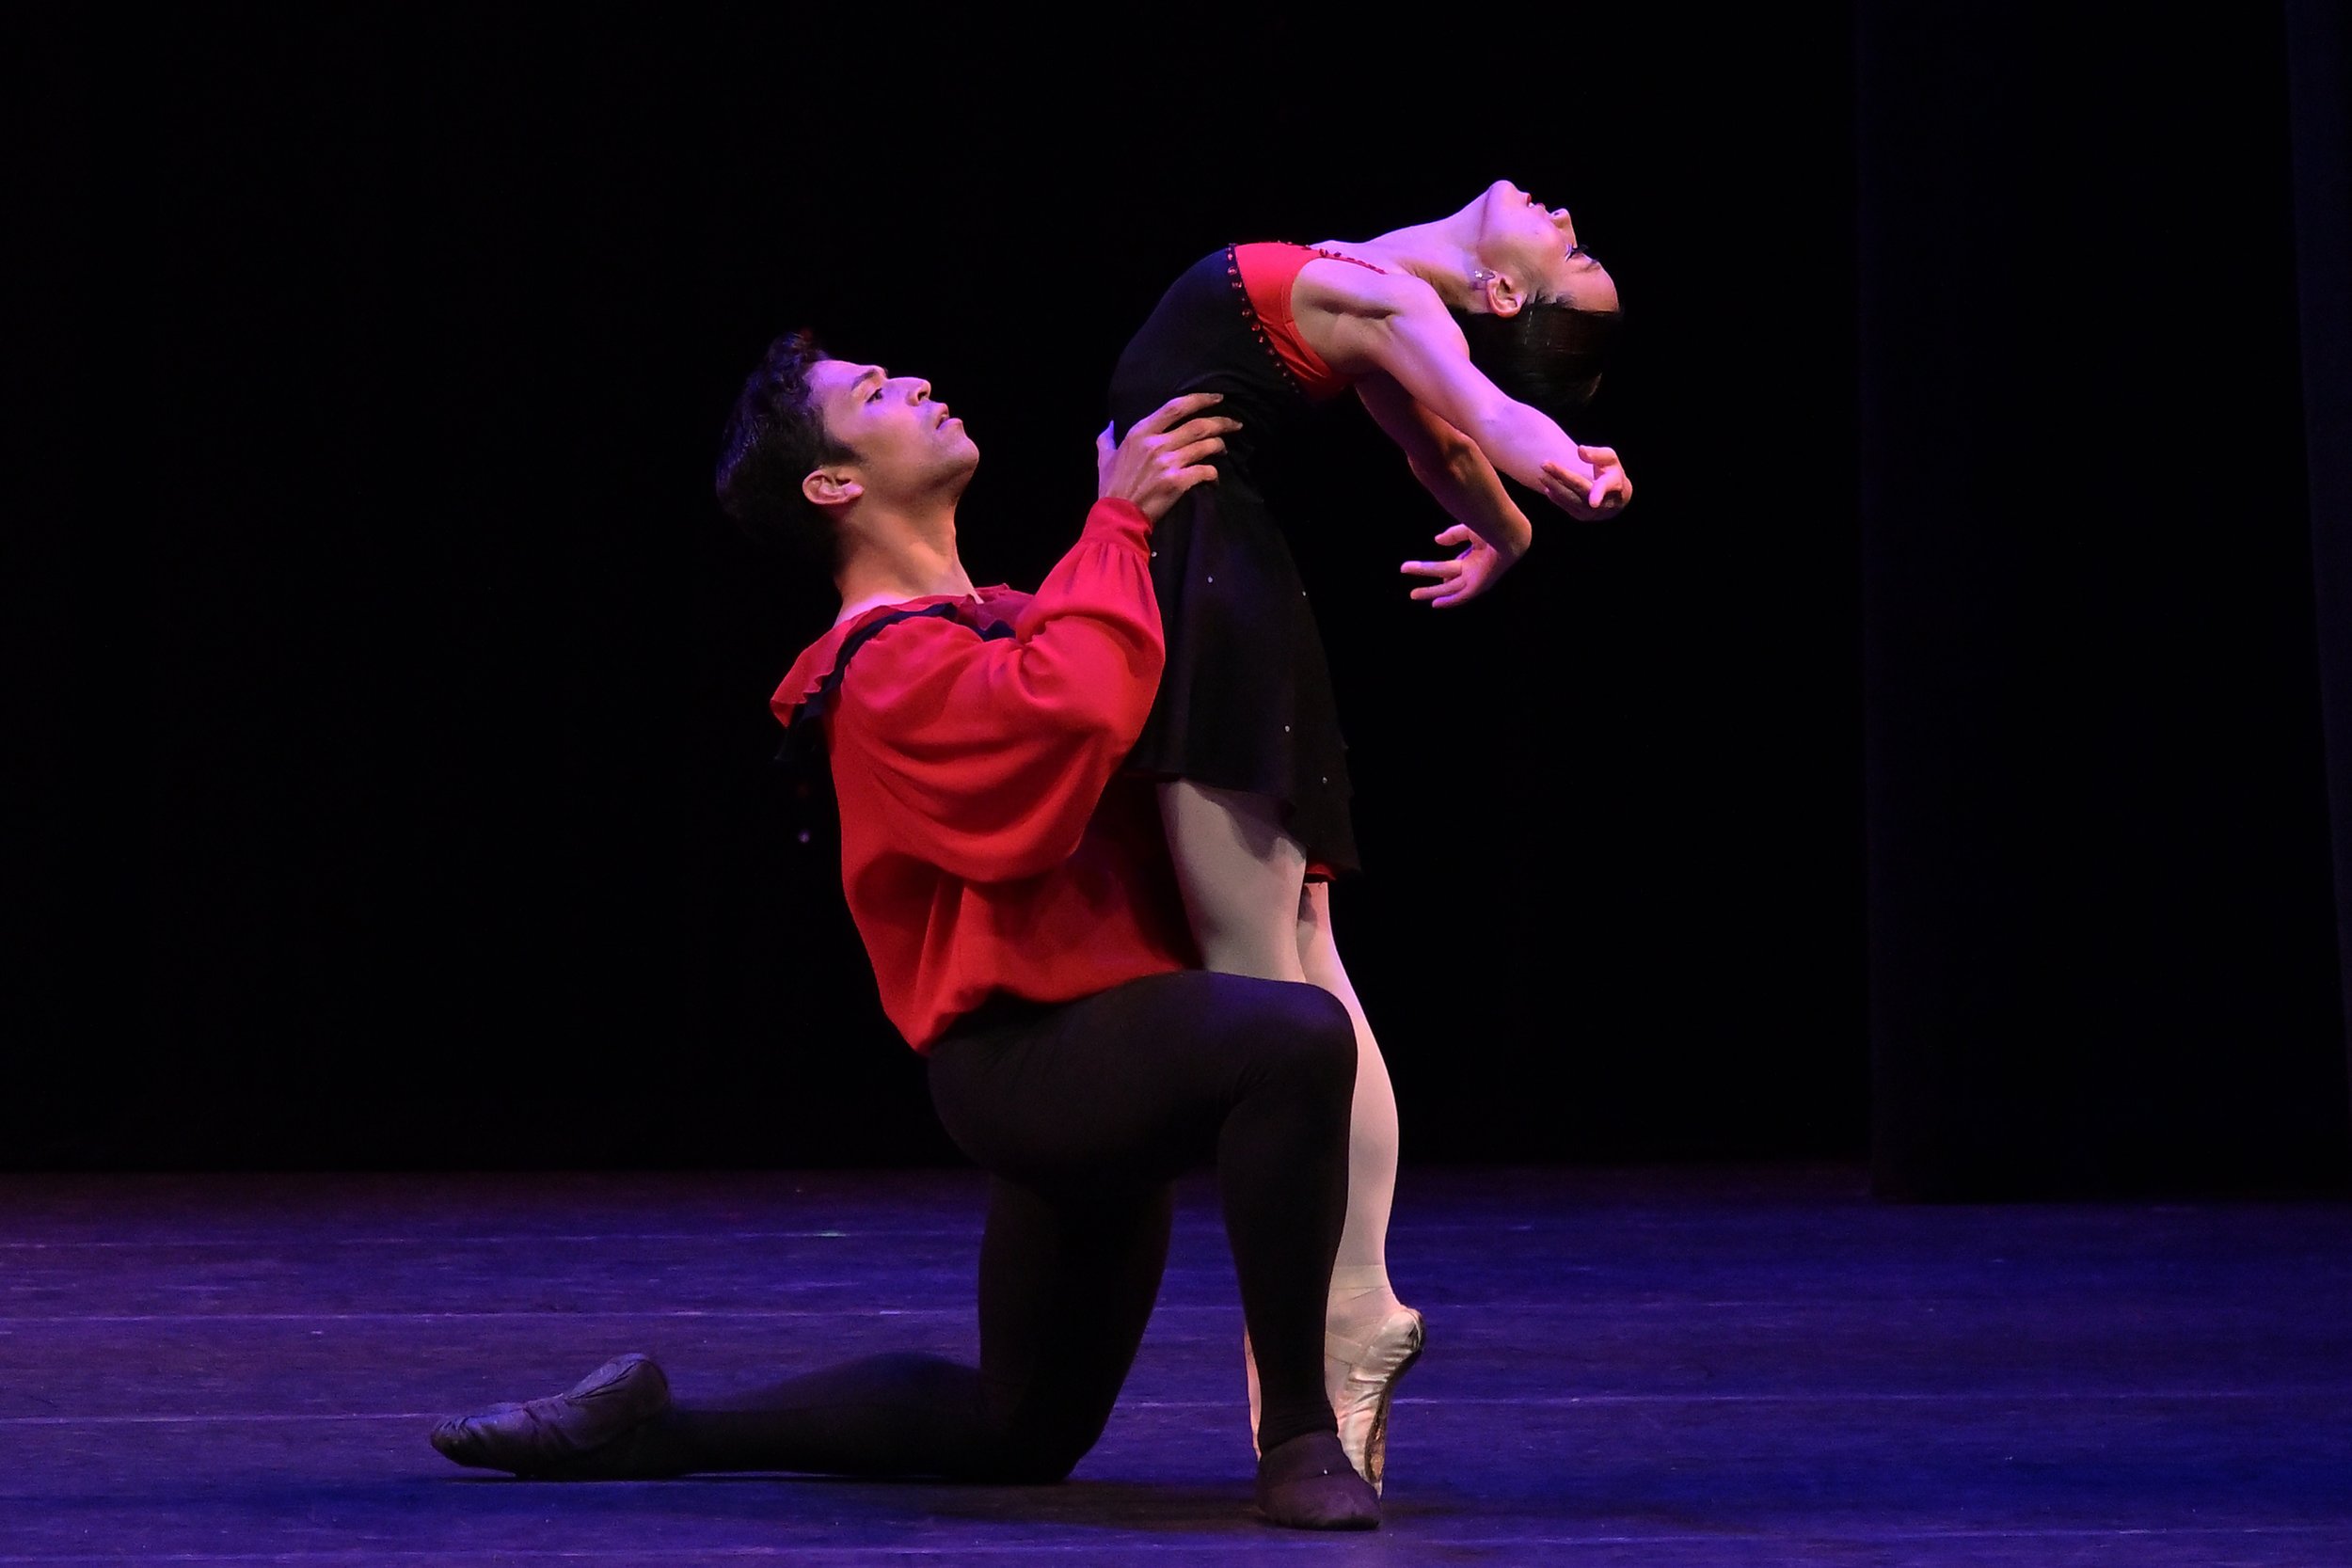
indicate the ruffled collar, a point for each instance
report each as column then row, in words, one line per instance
column 819, row 663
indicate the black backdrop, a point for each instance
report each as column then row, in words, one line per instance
column 465, row 848
column 2102, row 945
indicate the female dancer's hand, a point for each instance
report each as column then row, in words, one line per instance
column 1602, row 492
column 1466, row 575
column 1162, row 458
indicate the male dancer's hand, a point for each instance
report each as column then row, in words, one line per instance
column 1604, row 493
column 1165, row 455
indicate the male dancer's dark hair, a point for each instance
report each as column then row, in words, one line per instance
column 775, row 436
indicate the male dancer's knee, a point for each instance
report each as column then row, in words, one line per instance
column 1039, row 1454
column 1309, row 1039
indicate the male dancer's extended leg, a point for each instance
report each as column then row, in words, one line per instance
column 1066, row 1287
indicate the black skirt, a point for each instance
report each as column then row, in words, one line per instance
column 1245, row 703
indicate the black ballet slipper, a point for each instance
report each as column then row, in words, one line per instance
column 1307, row 1483
column 571, row 1435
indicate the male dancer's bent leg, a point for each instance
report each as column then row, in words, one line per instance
column 1082, row 1113
column 1148, row 1079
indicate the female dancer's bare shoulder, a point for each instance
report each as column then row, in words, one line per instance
column 1347, row 308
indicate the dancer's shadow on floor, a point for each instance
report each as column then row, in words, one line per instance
column 1143, row 1508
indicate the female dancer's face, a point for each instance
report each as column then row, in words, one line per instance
column 1535, row 247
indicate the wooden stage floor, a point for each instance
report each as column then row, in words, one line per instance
column 1660, row 1368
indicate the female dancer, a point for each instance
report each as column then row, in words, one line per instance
column 1467, row 339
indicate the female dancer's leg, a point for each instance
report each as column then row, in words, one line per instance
column 1369, row 1338
column 1361, row 1293
column 1240, row 875
column 1243, row 885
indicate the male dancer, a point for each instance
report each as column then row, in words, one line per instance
column 1016, row 900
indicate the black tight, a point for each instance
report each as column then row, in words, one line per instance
column 1083, row 1114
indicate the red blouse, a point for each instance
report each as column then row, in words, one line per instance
column 1268, row 273
column 987, row 843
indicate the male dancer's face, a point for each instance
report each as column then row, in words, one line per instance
column 904, row 440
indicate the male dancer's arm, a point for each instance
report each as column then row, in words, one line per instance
column 991, row 754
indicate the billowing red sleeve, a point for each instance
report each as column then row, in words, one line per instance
column 987, row 757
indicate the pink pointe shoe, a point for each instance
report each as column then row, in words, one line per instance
column 1361, row 1399
column 1361, row 1377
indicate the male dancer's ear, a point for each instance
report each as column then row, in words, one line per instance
column 831, row 486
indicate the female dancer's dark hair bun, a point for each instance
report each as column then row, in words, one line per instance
column 1548, row 356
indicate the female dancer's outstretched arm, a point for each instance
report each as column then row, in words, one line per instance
column 1373, row 324
column 1490, row 530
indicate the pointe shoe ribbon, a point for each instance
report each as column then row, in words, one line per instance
column 557, row 1436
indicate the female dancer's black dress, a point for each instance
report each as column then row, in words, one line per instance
column 1245, row 701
